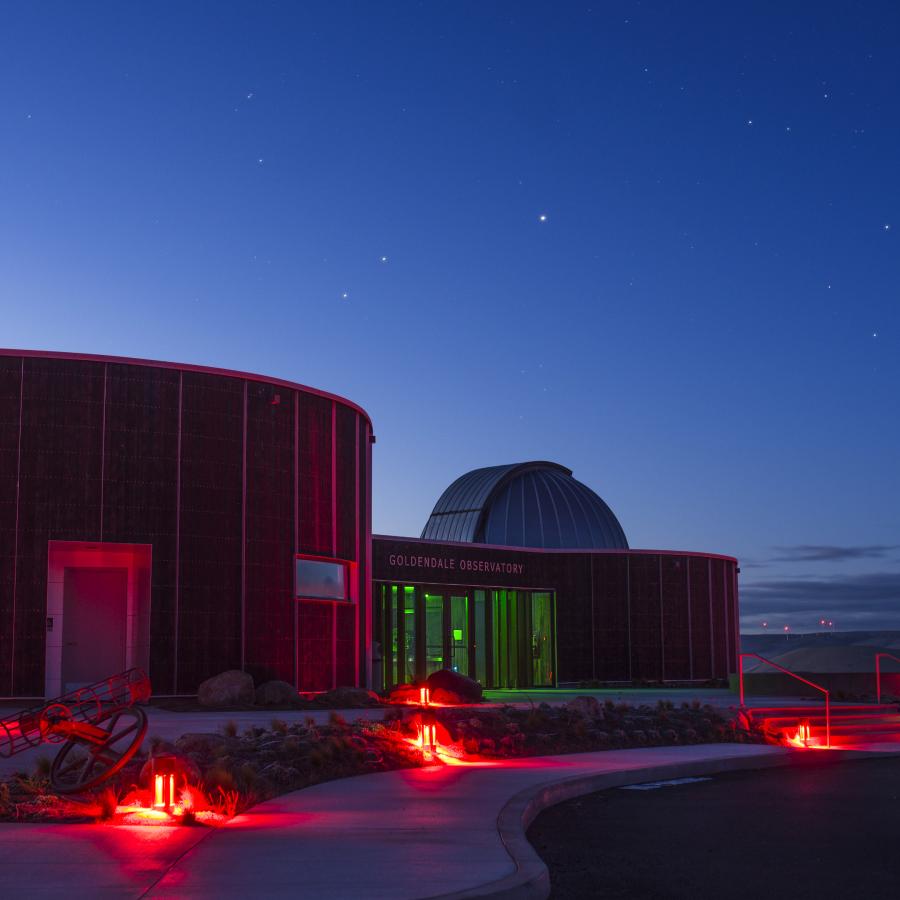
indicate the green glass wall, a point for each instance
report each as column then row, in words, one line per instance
column 502, row 638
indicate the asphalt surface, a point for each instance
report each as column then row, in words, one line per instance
column 813, row 831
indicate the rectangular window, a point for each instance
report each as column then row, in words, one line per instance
column 318, row 579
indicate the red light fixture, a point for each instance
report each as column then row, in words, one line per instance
column 803, row 737
column 164, row 773
column 428, row 739
column 164, row 792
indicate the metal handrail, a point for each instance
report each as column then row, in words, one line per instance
column 878, row 672
column 818, row 687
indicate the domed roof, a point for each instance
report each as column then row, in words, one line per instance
column 532, row 504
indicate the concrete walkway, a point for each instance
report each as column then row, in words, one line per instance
column 455, row 830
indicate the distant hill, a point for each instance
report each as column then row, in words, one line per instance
column 840, row 651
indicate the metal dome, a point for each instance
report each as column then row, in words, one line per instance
column 532, row 504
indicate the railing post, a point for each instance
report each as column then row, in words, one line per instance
column 741, row 676
column 878, row 678
column 827, row 720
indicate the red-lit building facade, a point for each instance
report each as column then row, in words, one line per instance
column 160, row 515
column 190, row 520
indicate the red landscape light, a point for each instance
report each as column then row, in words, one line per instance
column 164, row 792
column 164, row 772
column 428, row 740
column 802, row 738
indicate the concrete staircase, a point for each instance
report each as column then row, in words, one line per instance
column 851, row 725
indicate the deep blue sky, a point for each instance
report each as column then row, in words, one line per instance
column 705, row 327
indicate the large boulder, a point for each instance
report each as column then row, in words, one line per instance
column 231, row 688
column 586, row 706
column 466, row 689
column 347, row 698
column 277, row 693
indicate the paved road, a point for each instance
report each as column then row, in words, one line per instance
column 810, row 831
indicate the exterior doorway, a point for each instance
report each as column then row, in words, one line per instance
column 95, row 612
column 98, row 612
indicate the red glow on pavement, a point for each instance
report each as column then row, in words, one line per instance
column 803, row 738
column 158, row 806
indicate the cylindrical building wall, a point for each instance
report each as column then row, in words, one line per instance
column 202, row 487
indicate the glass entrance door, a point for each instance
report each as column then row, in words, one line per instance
column 502, row 638
column 435, row 657
column 458, row 633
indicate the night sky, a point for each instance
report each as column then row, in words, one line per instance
column 658, row 243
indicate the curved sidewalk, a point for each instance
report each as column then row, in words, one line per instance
column 418, row 833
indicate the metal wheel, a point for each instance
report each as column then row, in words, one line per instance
column 81, row 765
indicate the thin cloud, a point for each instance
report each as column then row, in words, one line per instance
column 868, row 600
column 832, row 553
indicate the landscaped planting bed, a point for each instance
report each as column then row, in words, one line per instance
column 226, row 772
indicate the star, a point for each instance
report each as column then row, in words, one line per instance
column 260, row 161
column 887, row 227
column 384, row 259
column 874, row 334
column 344, row 295
column 749, row 121
column 542, row 217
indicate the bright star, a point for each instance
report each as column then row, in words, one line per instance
column 384, row 259
column 887, row 227
column 542, row 217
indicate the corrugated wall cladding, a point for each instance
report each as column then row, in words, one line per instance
column 268, row 591
column 226, row 476
column 611, row 617
column 316, row 507
column 140, row 504
column 646, row 618
column 10, row 396
column 676, row 619
column 701, row 618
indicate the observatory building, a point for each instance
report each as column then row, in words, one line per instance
column 189, row 520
